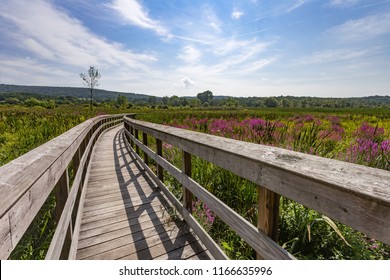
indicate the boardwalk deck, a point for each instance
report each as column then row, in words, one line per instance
column 125, row 215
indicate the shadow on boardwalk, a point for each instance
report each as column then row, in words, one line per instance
column 125, row 214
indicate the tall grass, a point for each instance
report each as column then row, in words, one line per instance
column 344, row 135
column 307, row 234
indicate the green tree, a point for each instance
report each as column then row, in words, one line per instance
column 31, row 102
column 194, row 102
column 165, row 100
column 270, row 102
column 91, row 80
column 121, row 101
column 205, row 96
column 174, row 101
column 152, row 100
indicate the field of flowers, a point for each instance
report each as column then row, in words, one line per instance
column 362, row 137
column 21, row 130
column 357, row 138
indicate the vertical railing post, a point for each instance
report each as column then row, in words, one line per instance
column 62, row 191
column 136, row 137
column 268, row 213
column 160, row 171
column 145, row 142
column 186, row 168
column 132, row 133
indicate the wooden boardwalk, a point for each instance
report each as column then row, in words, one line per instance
column 125, row 215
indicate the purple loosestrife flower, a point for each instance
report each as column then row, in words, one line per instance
column 385, row 146
column 334, row 120
column 308, row 118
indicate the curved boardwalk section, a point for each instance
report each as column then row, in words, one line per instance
column 125, row 215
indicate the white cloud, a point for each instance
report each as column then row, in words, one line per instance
column 134, row 13
column 190, row 55
column 362, row 29
column 187, row 83
column 59, row 38
column 258, row 64
column 334, row 55
column 342, row 3
column 211, row 19
column 31, row 72
column 236, row 13
column 295, row 5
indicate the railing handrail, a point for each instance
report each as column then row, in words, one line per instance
column 27, row 181
column 355, row 195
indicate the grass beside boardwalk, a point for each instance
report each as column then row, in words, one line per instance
column 360, row 136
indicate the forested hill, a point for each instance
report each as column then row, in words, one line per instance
column 14, row 94
column 80, row 92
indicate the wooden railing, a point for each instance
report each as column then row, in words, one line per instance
column 27, row 182
column 355, row 195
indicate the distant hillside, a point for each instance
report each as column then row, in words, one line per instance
column 79, row 92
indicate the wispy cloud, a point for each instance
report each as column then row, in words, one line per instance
column 295, row 5
column 257, row 64
column 190, row 54
column 211, row 19
column 362, row 29
column 134, row 13
column 236, row 13
column 335, row 55
column 53, row 48
column 60, row 38
column 342, row 3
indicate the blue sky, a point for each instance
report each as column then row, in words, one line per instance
column 331, row 48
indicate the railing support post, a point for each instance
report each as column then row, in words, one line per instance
column 131, row 140
column 160, row 171
column 136, row 137
column 62, row 191
column 268, row 213
column 187, row 195
column 145, row 142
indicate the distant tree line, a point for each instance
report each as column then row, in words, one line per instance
column 203, row 99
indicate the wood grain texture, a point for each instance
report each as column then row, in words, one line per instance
column 125, row 214
column 268, row 213
column 259, row 241
column 56, row 246
column 26, row 182
column 355, row 195
column 210, row 244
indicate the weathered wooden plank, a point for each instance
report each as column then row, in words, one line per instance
column 114, row 194
column 121, row 211
column 191, row 248
column 104, row 226
column 257, row 240
column 352, row 194
column 156, row 248
column 26, row 182
column 187, row 195
column 268, row 213
column 62, row 191
column 159, row 151
column 120, row 201
column 56, row 245
column 145, row 142
column 135, row 229
column 5, row 238
column 214, row 249
column 125, row 245
column 136, row 203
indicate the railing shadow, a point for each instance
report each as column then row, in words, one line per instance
column 148, row 192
